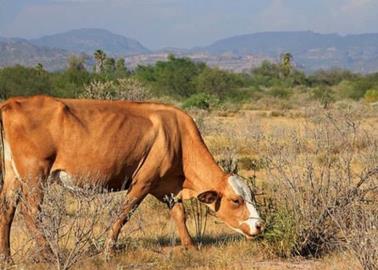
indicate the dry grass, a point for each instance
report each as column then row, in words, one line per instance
column 280, row 150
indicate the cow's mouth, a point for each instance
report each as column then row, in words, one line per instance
column 251, row 236
column 251, row 233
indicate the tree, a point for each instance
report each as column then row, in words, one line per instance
column 40, row 69
column 120, row 68
column 174, row 77
column 76, row 63
column 23, row 81
column 69, row 83
column 331, row 77
column 217, row 82
column 286, row 63
column 100, row 57
column 120, row 65
column 267, row 74
column 109, row 65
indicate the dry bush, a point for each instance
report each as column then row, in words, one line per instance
column 98, row 90
column 359, row 233
column 199, row 214
column 316, row 176
column 124, row 89
column 74, row 222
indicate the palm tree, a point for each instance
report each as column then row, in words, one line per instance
column 100, row 57
column 286, row 63
column 40, row 69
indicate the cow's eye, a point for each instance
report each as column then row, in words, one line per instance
column 236, row 202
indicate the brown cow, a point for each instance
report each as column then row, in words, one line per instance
column 146, row 148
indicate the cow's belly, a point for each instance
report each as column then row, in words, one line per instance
column 72, row 182
column 111, row 174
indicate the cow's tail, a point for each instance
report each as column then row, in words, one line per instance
column 2, row 148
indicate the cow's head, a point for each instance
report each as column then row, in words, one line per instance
column 234, row 205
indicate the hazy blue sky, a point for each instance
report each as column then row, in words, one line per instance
column 186, row 23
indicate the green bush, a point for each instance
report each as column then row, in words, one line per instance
column 356, row 89
column 371, row 95
column 70, row 82
column 24, row 81
column 174, row 77
column 200, row 101
column 324, row 95
column 217, row 82
column 279, row 92
column 281, row 234
column 330, row 77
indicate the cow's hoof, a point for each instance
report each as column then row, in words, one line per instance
column 190, row 247
column 5, row 260
column 110, row 250
column 43, row 255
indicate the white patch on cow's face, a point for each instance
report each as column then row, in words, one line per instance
column 8, row 158
column 240, row 188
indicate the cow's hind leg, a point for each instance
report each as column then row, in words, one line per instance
column 8, row 203
column 33, row 173
column 32, row 199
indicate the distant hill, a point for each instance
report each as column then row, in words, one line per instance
column 311, row 50
column 89, row 40
column 15, row 51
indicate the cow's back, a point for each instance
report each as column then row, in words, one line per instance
column 106, row 140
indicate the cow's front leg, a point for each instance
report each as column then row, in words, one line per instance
column 178, row 215
column 134, row 197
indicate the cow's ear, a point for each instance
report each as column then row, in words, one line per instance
column 208, row 196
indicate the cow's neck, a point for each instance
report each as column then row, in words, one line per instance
column 201, row 171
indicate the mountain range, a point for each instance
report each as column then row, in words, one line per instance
column 311, row 51
column 88, row 40
column 15, row 51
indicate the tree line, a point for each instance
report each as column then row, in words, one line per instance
column 195, row 84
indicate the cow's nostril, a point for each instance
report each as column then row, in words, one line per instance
column 259, row 225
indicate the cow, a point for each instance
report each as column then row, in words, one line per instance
column 144, row 148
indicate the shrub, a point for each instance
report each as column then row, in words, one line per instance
column 279, row 92
column 309, row 191
column 24, row 81
column 174, row 77
column 130, row 89
column 371, row 95
column 217, row 82
column 324, row 95
column 280, row 233
column 360, row 233
column 98, row 90
column 75, row 222
column 331, row 77
column 200, row 101
column 355, row 89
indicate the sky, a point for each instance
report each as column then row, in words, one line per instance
column 186, row 23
